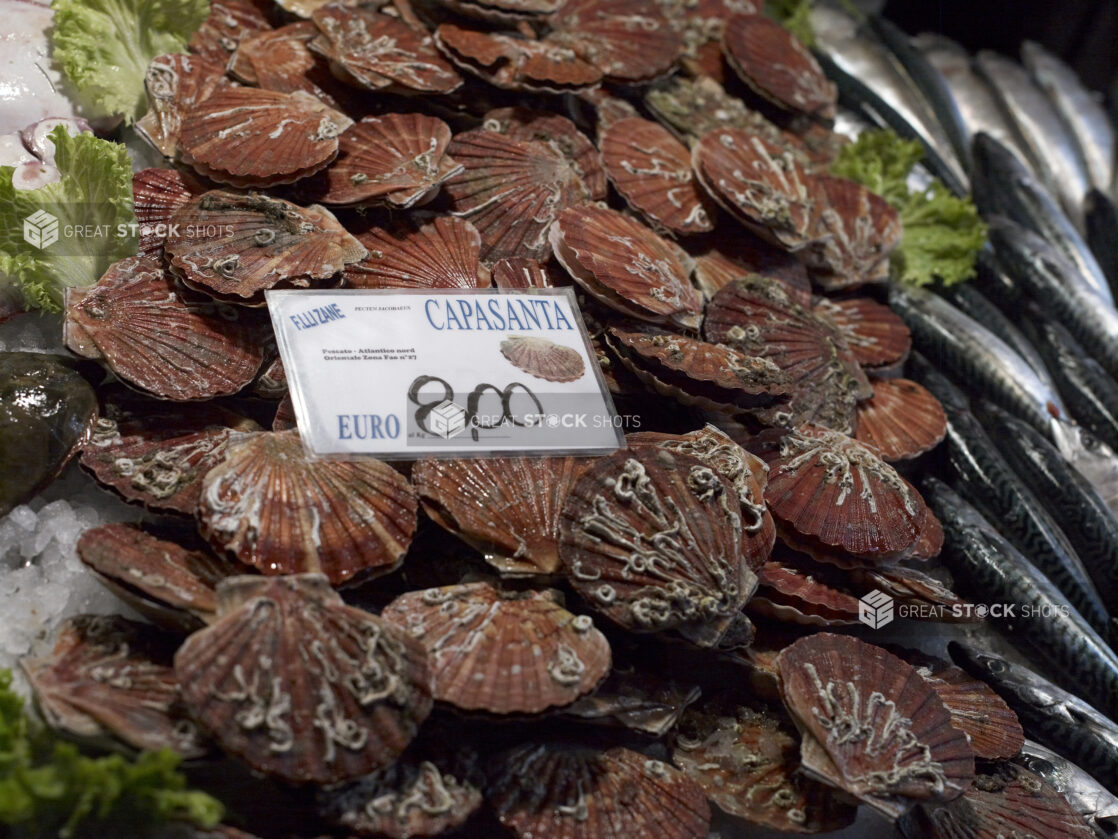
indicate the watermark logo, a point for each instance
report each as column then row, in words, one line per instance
column 447, row 419
column 40, row 229
column 875, row 610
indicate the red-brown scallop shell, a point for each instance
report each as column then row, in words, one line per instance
column 738, row 254
column 442, row 253
column 872, row 726
column 627, row 40
column 626, row 266
column 757, row 316
column 285, row 419
column 110, row 679
column 398, row 160
column 930, row 541
column 606, row 108
column 788, row 594
column 156, row 195
column 543, row 358
column 636, row 699
column 574, row 792
column 280, row 59
column 614, row 544
column 511, row 190
column 270, row 505
column 777, row 66
column 520, row 272
column 301, row 686
column 875, row 333
column 506, row 507
column 379, row 52
column 856, row 232
column 902, row 420
column 504, row 10
column 249, row 137
column 175, row 84
column 701, row 23
column 559, row 133
column 261, row 242
column 534, row 653
column 759, row 184
column 832, row 489
column 747, row 763
column 156, row 339
column 228, row 22
column 652, row 171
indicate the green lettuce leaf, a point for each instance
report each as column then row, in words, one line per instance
column 104, row 47
column 793, row 15
column 93, row 199
column 942, row 233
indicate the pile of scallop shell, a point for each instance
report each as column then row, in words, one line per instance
column 563, row 647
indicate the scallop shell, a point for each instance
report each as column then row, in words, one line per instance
column 559, row 133
column 607, row 108
column 701, row 23
column 156, row 195
column 280, row 60
column 739, row 254
column 442, row 253
column 875, row 333
column 777, row 66
column 110, row 679
column 543, row 358
column 788, row 594
column 757, row 316
column 871, row 725
column 261, row 242
column 507, row 508
column 637, row 700
column 284, row 419
column 747, row 762
column 520, row 273
column 652, row 171
column 712, row 376
column 534, row 654
column 902, row 420
column 169, row 584
column 378, row 52
column 759, row 184
column 175, row 84
column 627, row 40
column 229, row 21
column 579, row 793
column 857, row 231
column 504, row 10
column 272, row 506
column 934, row 601
column 511, row 190
column 514, row 63
column 839, row 493
column 249, row 137
column 653, row 539
column 155, row 339
column 398, row 160
column 930, row 542
column 301, row 686
column 626, row 266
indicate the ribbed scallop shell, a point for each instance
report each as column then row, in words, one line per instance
column 533, row 653
column 738, row 254
column 506, row 507
column 249, row 137
column 639, row 700
column 747, row 763
column 653, row 539
column 519, row 272
column 543, row 358
column 285, row 419
column 108, row 677
column 261, row 242
column 572, row 792
column 280, row 60
column 875, row 333
column 158, row 341
column 788, row 594
column 229, row 21
column 872, row 726
column 652, row 171
column 559, row 133
column 627, row 40
column 757, row 316
column 776, row 64
column 175, row 84
column 516, row 63
column 759, row 184
column 911, row 587
column 857, row 231
column 271, row 506
column 504, row 10
column 301, row 686
column 511, row 190
column 398, row 160
column 379, row 52
column 831, row 488
column 156, row 195
column 174, row 586
column 902, row 420
column 606, row 107
column 626, row 266
column 930, row 541
column 442, row 253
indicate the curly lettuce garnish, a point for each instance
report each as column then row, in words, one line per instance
column 50, row 790
column 104, row 47
column 89, row 209
column 793, row 15
column 942, row 233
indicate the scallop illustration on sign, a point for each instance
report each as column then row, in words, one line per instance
column 543, row 359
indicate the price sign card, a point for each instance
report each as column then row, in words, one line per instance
column 406, row 374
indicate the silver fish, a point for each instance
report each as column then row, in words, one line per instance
column 1054, row 149
column 1091, row 458
column 1090, row 799
column 1079, row 108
